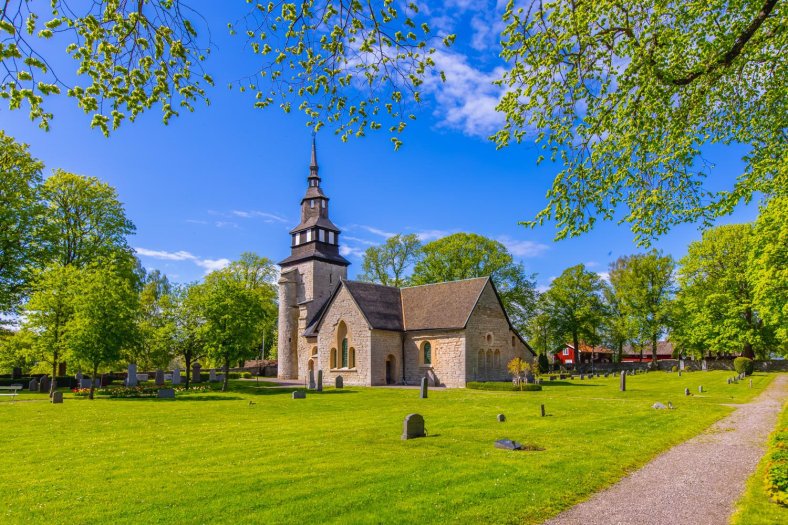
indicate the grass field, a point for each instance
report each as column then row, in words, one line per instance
column 337, row 457
column 755, row 507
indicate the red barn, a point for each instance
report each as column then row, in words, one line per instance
column 568, row 356
column 632, row 354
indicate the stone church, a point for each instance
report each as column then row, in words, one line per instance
column 451, row 332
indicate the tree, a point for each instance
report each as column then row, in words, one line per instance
column 104, row 319
column 468, row 255
column 20, row 216
column 49, row 310
column 387, row 264
column 232, row 317
column 155, row 324
column 643, row 289
column 17, row 349
column 85, row 221
column 574, row 306
column 130, row 56
column 768, row 265
column 187, row 325
column 715, row 297
column 617, row 327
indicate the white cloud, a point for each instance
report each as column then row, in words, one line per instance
column 523, row 248
column 196, row 221
column 227, row 224
column 256, row 214
column 208, row 264
column 362, row 241
column 345, row 251
column 431, row 235
column 605, row 276
column 377, row 231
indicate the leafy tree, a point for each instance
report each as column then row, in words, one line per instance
column 20, row 216
column 768, row 267
column 155, row 322
column 715, row 297
column 185, row 307
column 617, row 329
column 17, row 349
column 231, row 316
column 643, row 288
column 85, row 221
column 104, row 319
column 387, row 264
column 625, row 94
column 130, row 55
column 468, row 255
column 574, row 306
column 49, row 310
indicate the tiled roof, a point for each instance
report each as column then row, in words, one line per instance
column 441, row 306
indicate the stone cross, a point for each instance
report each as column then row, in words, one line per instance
column 319, row 380
column 176, row 376
column 424, row 389
column 212, row 375
column 196, row 373
column 339, row 382
column 623, row 381
column 413, row 427
column 131, row 377
column 159, row 377
column 312, row 384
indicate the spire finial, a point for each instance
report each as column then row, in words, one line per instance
column 313, row 164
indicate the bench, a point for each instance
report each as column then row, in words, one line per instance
column 13, row 389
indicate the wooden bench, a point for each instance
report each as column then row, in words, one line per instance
column 13, row 389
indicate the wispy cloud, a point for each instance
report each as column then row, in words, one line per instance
column 362, row 241
column 523, row 248
column 605, row 276
column 227, row 224
column 351, row 251
column 376, row 231
column 257, row 214
column 196, row 221
column 431, row 235
column 208, row 264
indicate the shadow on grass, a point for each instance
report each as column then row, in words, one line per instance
column 566, row 383
column 183, row 397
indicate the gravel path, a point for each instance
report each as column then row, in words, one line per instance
column 695, row 483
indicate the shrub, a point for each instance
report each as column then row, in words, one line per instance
column 502, row 386
column 777, row 467
column 544, row 364
column 674, row 368
column 744, row 365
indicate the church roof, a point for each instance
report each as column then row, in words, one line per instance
column 381, row 305
column 315, row 250
column 442, row 305
column 322, row 222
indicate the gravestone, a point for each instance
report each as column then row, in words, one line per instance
column 582, row 377
column 319, row 380
column 131, row 376
column 44, row 384
column 85, row 383
column 606, row 374
column 729, row 380
column 16, row 373
column 78, row 377
column 623, row 386
column 413, row 426
column 57, row 397
column 176, row 376
column 679, row 373
column 312, row 385
column 542, row 410
column 299, row 394
column 686, row 392
column 681, row 364
column 658, row 406
column 105, row 380
column 700, row 389
column 501, row 418
column 33, row 385
column 159, row 377
column 424, row 389
column 508, row 444
column 212, row 375
column 703, row 365
column 339, row 382
column 196, row 373
column 166, row 393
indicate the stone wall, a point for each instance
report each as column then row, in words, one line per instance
column 386, row 345
column 288, row 325
column 490, row 343
column 344, row 309
column 448, row 357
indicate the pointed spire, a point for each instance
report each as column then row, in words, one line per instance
column 313, row 168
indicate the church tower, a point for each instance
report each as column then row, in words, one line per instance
column 309, row 274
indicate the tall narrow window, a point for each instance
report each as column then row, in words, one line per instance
column 333, row 358
column 344, row 353
column 321, row 235
column 322, row 203
column 427, row 353
column 330, row 237
column 311, row 203
column 308, row 235
column 352, row 363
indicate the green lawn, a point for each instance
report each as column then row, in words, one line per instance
column 755, row 507
column 337, row 457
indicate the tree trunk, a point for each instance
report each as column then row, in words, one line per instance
column 654, row 350
column 620, row 352
column 53, row 385
column 577, row 350
column 747, row 351
column 188, row 357
column 93, row 381
column 226, row 372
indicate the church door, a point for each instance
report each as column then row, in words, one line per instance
column 390, row 370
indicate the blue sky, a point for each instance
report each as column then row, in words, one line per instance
column 229, row 178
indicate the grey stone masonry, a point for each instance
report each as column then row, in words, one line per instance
column 196, row 368
column 623, row 381
column 339, row 382
column 319, row 380
column 424, row 388
column 299, row 394
column 131, row 377
column 176, row 376
column 57, row 397
column 166, row 393
column 413, row 427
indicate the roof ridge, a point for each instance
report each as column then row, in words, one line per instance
column 446, row 282
column 356, row 281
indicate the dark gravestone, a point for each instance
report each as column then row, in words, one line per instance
column 413, row 427
column 582, row 377
column 508, row 444
column 159, row 377
column 299, row 394
column 729, row 380
column 312, row 384
column 541, row 409
column 33, row 385
column 319, row 380
column 57, row 397
column 623, row 386
column 196, row 373
column 339, row 382
column 16, row 373
column 166, row 393
column 606, row 374
column 686, row 392
column 44, row 384
column 501, row 418
column 424, row 388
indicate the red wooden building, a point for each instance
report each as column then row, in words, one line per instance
column 567, row 356
column 633, row 355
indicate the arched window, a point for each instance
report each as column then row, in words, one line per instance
column 314, row 351
column 426, row 353
column 489, row 339
column 333, row 363
column 352, row 363
column 344, row 353
column 497, row 359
